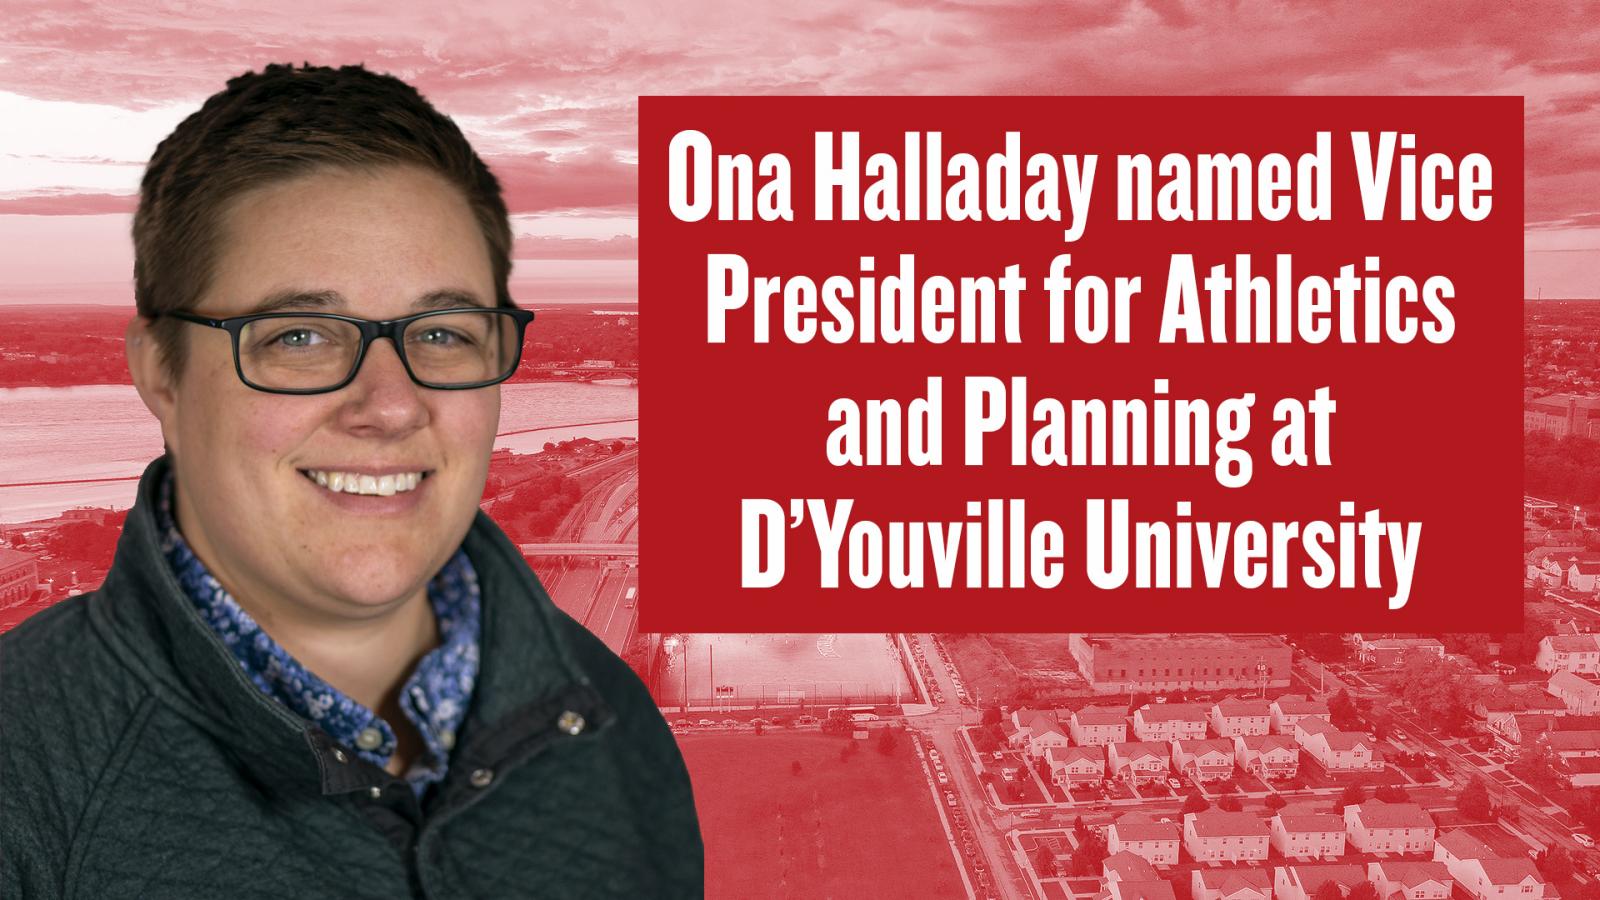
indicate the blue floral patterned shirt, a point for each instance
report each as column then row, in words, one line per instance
column 434, row 698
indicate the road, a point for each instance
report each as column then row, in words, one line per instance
column 941, row 726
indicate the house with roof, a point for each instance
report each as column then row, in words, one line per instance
column 1141, row 835
column 1482, row 873
column 1290, row 709
column 1309, row 726
column 1456, row 846
column 1076, row 765
column 1583, row 573
column 1398, row 879
column 1169, row 722
column 1579, row 695
column 1519, row 730
column 1208, row 883
column 1393, row 651
column 1159, row 889
column 1127, row 866
column 1269, row 756
column 1546, row 564
column 1231, row 717
column 1570, row 744
column 1097, row 726
column 1218, row 836
column 1036, row 730
column 1301, row 881
column 1208, row 760
column 1576, row 653
column 1342, row 751
column 1308, row 835
column 1580, row 772
column 1378, row 827
column 1138, row 761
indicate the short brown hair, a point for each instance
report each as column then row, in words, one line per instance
column 273, row 125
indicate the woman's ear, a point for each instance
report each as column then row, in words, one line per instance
column 151, row 378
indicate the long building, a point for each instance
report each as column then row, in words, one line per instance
column 1122, row 663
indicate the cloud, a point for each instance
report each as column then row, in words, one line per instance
column 64, row 202
column 592, row 181
column 548, row 92
column 620, row 246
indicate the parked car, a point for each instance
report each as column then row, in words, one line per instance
column 707, row 723
column 1583, row 840
column 1174, row 783
column 1399, row 735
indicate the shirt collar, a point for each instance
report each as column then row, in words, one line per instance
column 434, row 698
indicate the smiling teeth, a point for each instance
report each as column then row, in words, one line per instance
column 374, row 485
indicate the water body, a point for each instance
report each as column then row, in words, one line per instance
column 103, row 431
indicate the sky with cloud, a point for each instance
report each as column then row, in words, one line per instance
column 547, row 93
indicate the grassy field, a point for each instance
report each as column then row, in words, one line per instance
column 865, row 827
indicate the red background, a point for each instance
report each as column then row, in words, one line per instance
column 1416, row 424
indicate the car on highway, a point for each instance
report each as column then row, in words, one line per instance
column 1582, row 840
column 1399, row 735
column 806, row 720
column 707, row 723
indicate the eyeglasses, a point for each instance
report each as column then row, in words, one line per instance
column 314, row 353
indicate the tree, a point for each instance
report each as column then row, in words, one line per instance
column 1088, row 856
column 1229, row 803
column 1473, row 801
column 1328, row 891
column 1352, row 795
column 1440, row 691
column 1079, row 829
column 1534, row 765
column 991, row 716
column 1362, row 890
column 1555, row 864
column 1044, row 862
column 1328, row 647
column 887, row 741
column 1275, row 802
column 1342, row 712
column 1390, row 793
column 1194, row 803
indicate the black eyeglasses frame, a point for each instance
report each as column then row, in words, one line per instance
column 371, row 330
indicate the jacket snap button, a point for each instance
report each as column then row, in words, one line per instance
column 481, row 777
column 571, row 723
column 375, row 792
column 339, row 755
column 369, row 739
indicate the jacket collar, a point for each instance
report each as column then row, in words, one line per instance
column 527, row 666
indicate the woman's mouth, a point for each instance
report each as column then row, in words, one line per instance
column 370, row 485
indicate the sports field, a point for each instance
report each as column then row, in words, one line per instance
column 865, row 827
